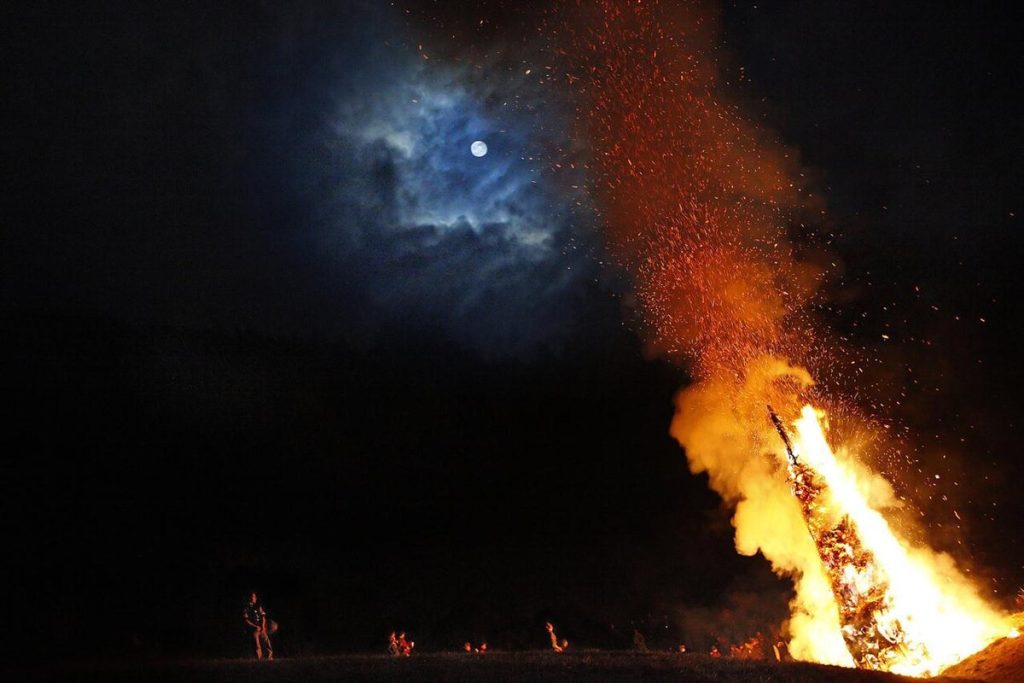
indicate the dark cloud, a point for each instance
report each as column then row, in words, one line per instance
column 488, row 251
column 302, row 170
column 478, row 247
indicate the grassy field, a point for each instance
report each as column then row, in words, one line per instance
column 520, row 666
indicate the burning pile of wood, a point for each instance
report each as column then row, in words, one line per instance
column 874, row 636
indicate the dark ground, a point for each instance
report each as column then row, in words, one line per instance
column 522, row 666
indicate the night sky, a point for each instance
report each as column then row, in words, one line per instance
column 269, row 325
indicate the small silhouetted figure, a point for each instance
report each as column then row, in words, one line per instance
column 714, row 651
column 256, row 619
column 639, row 642
column 393, row 649
column 555, row 645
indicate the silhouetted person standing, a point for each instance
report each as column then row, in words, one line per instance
column 256, row 619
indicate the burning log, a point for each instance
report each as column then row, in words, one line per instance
column 782, row 432
column 874, row 636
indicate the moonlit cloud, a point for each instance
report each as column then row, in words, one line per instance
column 483, row 250
column 315, row 179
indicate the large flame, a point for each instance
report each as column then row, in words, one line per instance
column 702, row 208
column 896, row 614
column 865, row 596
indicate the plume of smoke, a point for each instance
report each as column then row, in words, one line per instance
column 713, row 424
column 698, row 204
column 697, row 201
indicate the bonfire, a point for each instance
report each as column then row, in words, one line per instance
column 714, row 221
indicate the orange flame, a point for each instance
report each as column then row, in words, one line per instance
column 698, row 202
column 923, row 613
column 922, row 621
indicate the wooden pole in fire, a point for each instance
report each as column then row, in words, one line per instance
column 782, row 432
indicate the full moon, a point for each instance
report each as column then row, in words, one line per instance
column 478, row 148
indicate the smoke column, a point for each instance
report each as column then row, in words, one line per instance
column 699, row 206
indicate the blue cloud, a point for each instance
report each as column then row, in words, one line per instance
column 484, row 250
